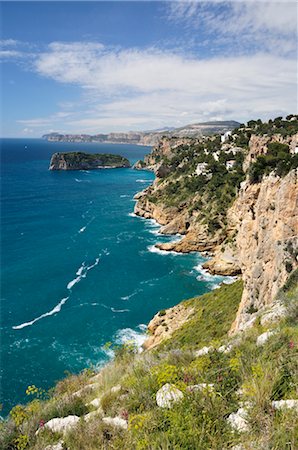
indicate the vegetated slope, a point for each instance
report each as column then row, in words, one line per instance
column 235, row 196
column 215, row 375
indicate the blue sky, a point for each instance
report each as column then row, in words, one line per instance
column 116, row 66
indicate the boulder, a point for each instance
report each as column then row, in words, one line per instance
column 116, row 388
column 263, row 338
column 96, row 402
column 58, row 446
column 238, row 420
column 115, row 422
column 167, row 395
column 61, row 424
column 203, row 351
column 93, row 414
column 285, row 404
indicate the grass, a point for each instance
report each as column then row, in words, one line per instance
column 214, row 313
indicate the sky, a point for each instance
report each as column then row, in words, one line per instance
column 99, row 67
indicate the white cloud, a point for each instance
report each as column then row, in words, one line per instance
column 263, row 24
column 133, row 88
column 8, row 54
column 8, row 42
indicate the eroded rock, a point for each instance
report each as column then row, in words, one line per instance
column 115, row 422
column 167, row 395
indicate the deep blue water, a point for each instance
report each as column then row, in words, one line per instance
column 77, row 269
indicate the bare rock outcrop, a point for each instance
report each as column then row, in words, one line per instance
column 164, row 323
column 266, row 217
column 258, row 145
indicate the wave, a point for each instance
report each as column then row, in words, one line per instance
column 213, row 281
column 154, row 249
column 81, row 181
column 82, row 273
column 55, row 310
column 81, row 230
column 93, row 265
column 132, row 214
column 111, row 308
column 131, row 336
column 124, row 196
column 155, row 232
column 143, row 181
column 127, row 297
column 152, row 223
column 119, row 310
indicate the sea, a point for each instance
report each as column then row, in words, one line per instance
column 79, row 269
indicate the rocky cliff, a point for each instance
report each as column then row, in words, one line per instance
column 86, row 161
column 266, row 219
column 257, row 230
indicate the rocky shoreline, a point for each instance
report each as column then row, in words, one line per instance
column 193, row 240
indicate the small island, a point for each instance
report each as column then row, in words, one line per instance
column 87, row 161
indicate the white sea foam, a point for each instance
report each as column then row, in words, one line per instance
column 154, row 249
column 130, row 336
column 124, row 196
column 143, row 181
column 152, row 223
column 93, row 265
column 127, row 297
column 155, row 232
column 214, row 281
column 82, row 273
column 119, row 310
column 111, row 308
column 81, row 181
column 75, row 281
column 81, row 230
column 132, row 214
column 55, row 310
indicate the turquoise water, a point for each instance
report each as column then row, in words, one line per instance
column 78, row 269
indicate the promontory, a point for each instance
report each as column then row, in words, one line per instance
column 87, row 161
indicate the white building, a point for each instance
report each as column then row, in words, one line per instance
column 225, row 137
column 202, row 169
column 230, row 164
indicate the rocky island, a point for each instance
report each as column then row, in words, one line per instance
column 87, row 161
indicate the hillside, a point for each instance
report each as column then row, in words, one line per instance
column 147, row 137
column 199, row 389
column 234, row 197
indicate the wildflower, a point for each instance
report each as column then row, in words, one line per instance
column 124, row 414
column 291, row 344
column 188, row 378
column 41, row 423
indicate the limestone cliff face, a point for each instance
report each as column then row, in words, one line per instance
column 266, row 218
column 165, row 323
column 258, row 145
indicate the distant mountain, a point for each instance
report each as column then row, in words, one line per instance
column 148, row 137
